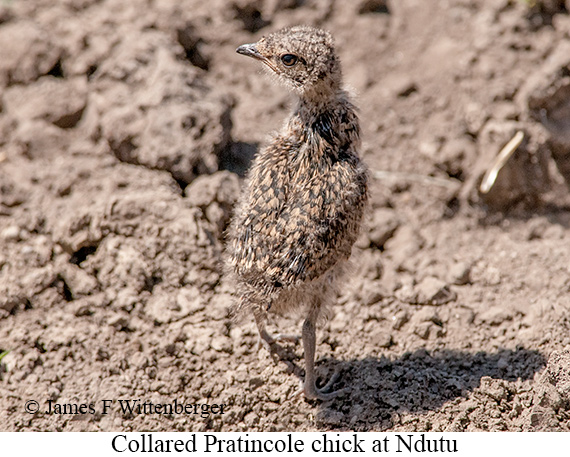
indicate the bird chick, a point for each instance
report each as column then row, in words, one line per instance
column 304, row 198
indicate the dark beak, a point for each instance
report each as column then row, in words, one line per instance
column 249, row 50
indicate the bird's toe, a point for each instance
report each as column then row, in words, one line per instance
column 324, row 394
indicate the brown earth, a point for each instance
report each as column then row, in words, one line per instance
column 125, row 128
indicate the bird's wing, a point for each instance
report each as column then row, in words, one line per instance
column 319, row 227
column 254, row 235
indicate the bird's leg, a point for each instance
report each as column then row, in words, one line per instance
column 309, row 387
column 266, row 339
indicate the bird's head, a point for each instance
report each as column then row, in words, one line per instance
column 302, row 57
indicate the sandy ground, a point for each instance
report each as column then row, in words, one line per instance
column 125, row 131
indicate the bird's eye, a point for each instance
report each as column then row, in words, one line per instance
column 289, row 60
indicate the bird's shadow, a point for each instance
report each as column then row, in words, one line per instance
column 416, row 382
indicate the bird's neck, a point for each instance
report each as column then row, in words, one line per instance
column 320, row 99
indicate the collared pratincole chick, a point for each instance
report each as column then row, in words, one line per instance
column 304, row 199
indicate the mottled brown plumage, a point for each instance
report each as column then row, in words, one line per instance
column 303, row 202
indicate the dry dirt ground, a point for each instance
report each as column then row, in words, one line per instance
column 125, row 131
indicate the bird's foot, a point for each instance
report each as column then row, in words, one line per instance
column 270, row 342
column 287, row 337
column 324, row 393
